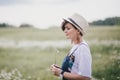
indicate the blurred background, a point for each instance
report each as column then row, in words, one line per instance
column 31, row 38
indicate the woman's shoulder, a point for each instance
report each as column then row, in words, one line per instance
column 83, row 47
column 84, row 44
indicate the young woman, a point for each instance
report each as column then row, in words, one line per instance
column 77, row 63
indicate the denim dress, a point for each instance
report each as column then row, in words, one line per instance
column 68, row 63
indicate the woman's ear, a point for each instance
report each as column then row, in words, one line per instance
column 78, row 31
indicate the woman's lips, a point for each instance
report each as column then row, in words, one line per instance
column 66, row 34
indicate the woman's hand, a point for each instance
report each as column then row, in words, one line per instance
column 55, row 70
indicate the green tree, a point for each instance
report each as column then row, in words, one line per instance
column 25, row 25
column 107, row 21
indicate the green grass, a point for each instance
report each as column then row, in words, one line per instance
column 100, row 33
column 35, row 62
column 32, row 62
column 103, row 33
column 30, row 34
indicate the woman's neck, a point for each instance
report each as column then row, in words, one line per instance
column 77, row 41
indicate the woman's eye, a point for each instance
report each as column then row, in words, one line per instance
column 68, row 28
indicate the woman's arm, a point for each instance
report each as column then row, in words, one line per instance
column 71, row 76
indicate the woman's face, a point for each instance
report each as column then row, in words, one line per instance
column 71, row 32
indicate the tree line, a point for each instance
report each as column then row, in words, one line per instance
column 108, row 21
column 21, row 26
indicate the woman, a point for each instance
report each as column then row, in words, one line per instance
column 77, row 63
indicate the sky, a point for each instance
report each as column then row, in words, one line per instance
column 47, row 13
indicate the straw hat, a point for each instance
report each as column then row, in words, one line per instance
column 78, row 21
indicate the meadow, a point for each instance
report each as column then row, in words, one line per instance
column 33, row 63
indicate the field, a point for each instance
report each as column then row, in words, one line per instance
column 18, row 62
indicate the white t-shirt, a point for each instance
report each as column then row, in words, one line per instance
column 83, row 60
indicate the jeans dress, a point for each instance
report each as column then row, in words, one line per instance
column 68, row 63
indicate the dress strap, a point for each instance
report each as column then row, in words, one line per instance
column 73, row 51
column 76, row 48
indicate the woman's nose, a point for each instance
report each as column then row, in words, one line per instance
column 65, row 31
